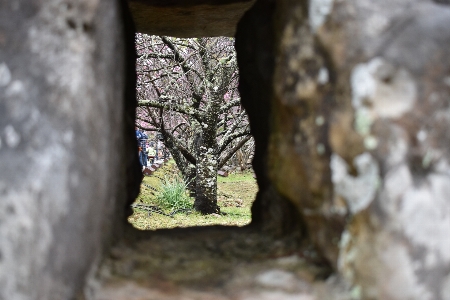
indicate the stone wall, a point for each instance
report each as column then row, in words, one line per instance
column 188, row 18
column 63, row 149
column 358, row 139
column 348, row 102
column 391, row 61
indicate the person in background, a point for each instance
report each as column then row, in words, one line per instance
column 138, row 138
column 143, row 144
column 151, row 153
column 138, row 133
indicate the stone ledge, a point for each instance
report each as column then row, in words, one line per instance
column 188, row 18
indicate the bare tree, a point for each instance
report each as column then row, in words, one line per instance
column 187, row 90
column 241, row 160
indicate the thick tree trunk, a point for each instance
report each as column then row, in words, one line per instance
column 206, row 177
column 206, row 182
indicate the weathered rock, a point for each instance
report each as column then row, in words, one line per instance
column 357, row 131
column 186, row 18
column 348, row 102
column 397, row 98
column 359, row 113
column 222, row 173
column 62, row 115
column 232, row 263
column 255, row 46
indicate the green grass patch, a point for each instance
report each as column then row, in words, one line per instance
column 173, row 194
column 235, row 196
column 237, row 177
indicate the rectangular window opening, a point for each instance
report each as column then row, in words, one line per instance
column 193, row 134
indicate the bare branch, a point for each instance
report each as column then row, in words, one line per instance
column 241, row 143
column 230, row 104
column 168, row 106
column 227, row 140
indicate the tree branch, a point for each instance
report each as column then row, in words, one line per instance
column 184, row 151
column 168, row 106
column 241, row 143
column 226, row 141
column 227, row 106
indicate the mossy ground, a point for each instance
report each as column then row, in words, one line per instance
column 235, row 195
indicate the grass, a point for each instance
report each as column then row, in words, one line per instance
column 173, row 194
column 235, row 195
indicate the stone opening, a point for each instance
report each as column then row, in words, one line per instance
column 276, row 243
column 315, row 115
column 347, row 161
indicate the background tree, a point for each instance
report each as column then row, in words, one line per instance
column 242, row 159
column 187, row 90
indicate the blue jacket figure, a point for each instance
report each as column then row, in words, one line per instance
column 142, row 142
column 138, row 133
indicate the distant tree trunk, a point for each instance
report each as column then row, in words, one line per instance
column 189, row 179
column 206, row 183
column 206, row 177
column 186, row 167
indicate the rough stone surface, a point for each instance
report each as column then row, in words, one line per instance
column 238, row 264
column 357, row 140
column 393, row 105
column 348, row 104
column 62, row 111
column 186, row 18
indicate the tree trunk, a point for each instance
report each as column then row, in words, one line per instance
column 187, row 169
column 206, row 182
column 189, row 179
column 206, row 179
